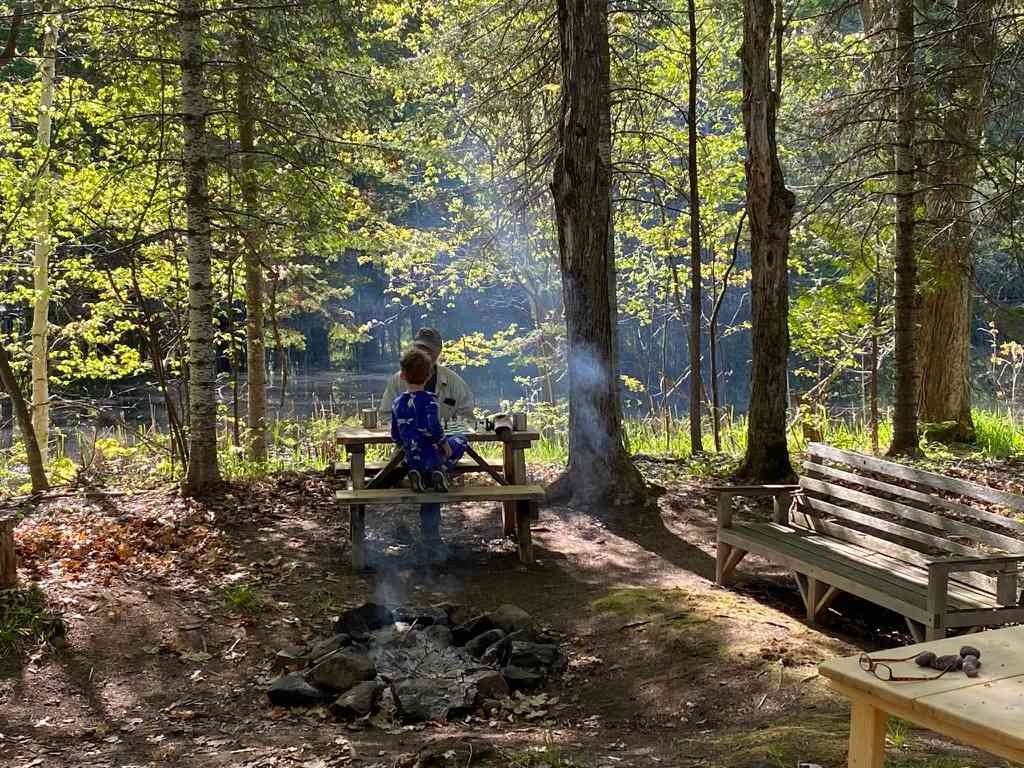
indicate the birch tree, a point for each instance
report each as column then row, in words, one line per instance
column 43, row 241
column 203, row 470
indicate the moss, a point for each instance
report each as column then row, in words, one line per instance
column 673, row 607
column 814, row 738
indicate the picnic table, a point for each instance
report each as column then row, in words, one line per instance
column 985, row 712
column 519, row 500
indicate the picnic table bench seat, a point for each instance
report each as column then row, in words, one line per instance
column 913, row 541
column 465, row 466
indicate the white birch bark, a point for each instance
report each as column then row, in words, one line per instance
column 43, row 244
column 202, row 460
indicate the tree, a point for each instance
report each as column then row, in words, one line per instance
column 770, row 209
column 599, row 468
column 947, row 271
column 695, row 252
column 36, row 468
column 43, row 243
column 203, row 470
column 255, row 357
column 905, row 439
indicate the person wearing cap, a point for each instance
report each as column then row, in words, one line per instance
column 455, row 403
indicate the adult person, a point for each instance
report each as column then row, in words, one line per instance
column 455, row 401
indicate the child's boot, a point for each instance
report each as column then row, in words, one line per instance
column 439, row 480
column 416, row 481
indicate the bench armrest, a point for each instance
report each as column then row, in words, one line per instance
column 782, row 495
column 994, row 564
column 754, row 490
column 1005, row 567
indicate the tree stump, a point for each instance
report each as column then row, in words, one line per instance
column 8, row 561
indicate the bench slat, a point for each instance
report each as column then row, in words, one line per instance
column 463, row 467
column 959, row 593
column 856, row 582
column 893, row 529
column 1008, row 543
column 904, row 583
column 923, row 477
column 884, row 546
column 930, row 519
column 455, row 495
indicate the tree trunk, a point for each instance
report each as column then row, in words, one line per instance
column 770, row 208
column 255, row 349
column 36, row 468
column 8, row 556
column 600, row 469
column 716, row 405
column 947, row 271
column 696, row 445
column 905, row 438
column 43, row 245
column 202, row 456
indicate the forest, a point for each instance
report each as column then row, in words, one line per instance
column 693, row 242
column 367, row 170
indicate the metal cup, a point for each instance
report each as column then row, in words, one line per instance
column 519, row 422
column 370, row 418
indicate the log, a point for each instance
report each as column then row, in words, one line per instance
column 8, row 560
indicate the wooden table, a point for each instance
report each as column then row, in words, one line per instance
column 985, row 712
column 512, row 473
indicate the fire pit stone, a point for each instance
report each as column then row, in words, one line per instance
column 293, row 690
column 341, row 671
column 479, row 644
column 419, row 664
column 358, row 702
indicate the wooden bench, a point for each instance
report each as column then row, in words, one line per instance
column 913, row 541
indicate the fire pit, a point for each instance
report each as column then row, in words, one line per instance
column 425, row 663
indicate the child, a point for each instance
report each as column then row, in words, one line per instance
column 416, row 426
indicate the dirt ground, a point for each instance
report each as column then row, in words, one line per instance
column 175, row 610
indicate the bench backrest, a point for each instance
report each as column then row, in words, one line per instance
column 907, row 513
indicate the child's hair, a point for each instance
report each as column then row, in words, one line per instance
column 416, row 366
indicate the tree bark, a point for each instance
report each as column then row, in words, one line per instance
column 203, row 470
column 8, row 556
column 770, row 209
column 255, row 348
column 947, row 270
column 36, row 468
column 11, row 46
column 905, row 438
column 696, row 445
column 43, row 245
column 600, row 469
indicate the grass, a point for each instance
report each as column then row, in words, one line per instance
column 673, row 606
column 26, row 619
column 138, row 458
column 243, row 598
column 897, row 733
column 550, row 755
column 819, row 738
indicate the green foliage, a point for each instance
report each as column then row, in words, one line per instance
column 26, row 618
column 243, row 598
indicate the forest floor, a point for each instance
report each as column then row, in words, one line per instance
column 175, row 610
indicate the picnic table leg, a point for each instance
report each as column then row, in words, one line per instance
column 508, row 508
column 524, row 515
column 867, row 735
column 357, row 512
